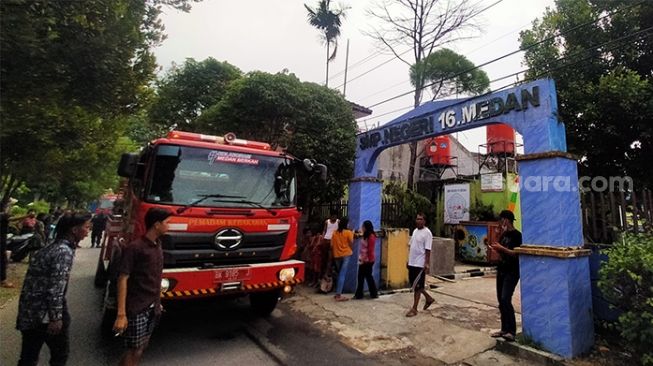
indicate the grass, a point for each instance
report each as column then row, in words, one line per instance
column 527, row 341
column 607, row 350
column 15, row 274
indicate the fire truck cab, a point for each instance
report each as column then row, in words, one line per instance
column 235, row 217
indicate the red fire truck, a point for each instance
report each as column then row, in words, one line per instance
column 234, row 227
column 104, row 204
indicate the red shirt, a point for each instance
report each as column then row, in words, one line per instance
column 29, row 222
column 366, row 251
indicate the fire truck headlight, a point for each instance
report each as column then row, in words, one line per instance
column 286, row 274
column 165, row 284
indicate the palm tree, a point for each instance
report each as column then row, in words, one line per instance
column 328, row 22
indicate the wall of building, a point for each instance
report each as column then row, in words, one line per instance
column 393, row 163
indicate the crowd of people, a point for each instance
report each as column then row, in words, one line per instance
column 43, row 316
column 327, row 251
column 41, row 225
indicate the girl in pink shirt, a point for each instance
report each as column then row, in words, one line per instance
column 366, row 261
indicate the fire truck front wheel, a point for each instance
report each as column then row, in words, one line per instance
column 263, row 303
column 101, row 275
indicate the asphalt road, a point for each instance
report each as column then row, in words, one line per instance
column 191, row 333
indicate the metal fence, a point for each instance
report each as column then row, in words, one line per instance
column 390, row 211
column 606, row 214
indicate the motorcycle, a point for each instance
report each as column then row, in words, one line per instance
column 21, row 245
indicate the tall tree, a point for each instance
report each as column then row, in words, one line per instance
column 328, row 21
column 422, row 26
column 70, row 70
column 604, row 78
column 447, row 72
column 186, row 91
column 305, row 119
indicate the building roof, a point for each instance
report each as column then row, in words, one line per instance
column 359, row 110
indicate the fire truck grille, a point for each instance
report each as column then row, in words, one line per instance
column 192, row 249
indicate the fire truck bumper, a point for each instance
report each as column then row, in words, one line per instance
column 180, row 283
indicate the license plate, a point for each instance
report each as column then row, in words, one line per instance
column 231, row 274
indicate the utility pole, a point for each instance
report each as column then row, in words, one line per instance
column 344, row 88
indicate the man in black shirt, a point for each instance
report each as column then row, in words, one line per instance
column 507, row 274
column 99, row 222
column 139, row 287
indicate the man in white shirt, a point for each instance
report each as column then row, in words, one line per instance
column 418, row 262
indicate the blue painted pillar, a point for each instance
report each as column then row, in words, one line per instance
column 364, row 204
column 555, row 278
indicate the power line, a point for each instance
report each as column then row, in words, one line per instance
column 506, row 55
column 370, row 70
column 385, row 114
column 381, row 52
column 384, row 90
column 411, row 49
column 466, row 53
column 498, row 38
column 357, row 63
column 548, row 71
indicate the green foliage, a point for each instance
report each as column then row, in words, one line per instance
column 140, row 131
column 305, row 119
column 626, row 281
column 482, row 212
column 17, row 211
column 410, row 204
column 443, row 64
column 39, row 206
column 188, row 90
column 605, row 95
column 71, row 71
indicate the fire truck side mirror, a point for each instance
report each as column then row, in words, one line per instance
column 308, row 165
column 127, row 166
column 322, row 169
column 312, row 167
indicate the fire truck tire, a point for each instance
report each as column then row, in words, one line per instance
column 101, row 275
column 263, row 303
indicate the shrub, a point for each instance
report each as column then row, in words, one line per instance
column 482, row 212
column 626, row 280
column 38, row 207
column 410, row 203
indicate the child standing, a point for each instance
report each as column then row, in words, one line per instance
column 366, row 261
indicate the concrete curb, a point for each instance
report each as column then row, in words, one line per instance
column 476, row 272
column 529, row 353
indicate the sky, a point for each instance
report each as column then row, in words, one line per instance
column 273, row 35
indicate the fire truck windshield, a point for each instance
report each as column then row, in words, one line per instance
column 183, row 175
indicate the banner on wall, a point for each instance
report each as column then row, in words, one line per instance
column 456, row 203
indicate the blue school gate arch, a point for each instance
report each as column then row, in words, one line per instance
column 555, row 280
